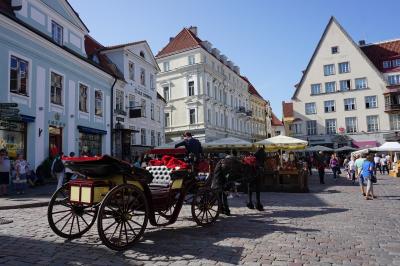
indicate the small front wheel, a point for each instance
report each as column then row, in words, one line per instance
column 123, row 217
column 68, row 219
column 205, row 206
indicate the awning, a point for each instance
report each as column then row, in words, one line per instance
column 27, row 118
column 365, row 144
column 91, row 130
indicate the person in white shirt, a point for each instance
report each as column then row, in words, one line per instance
column 384, row 164
column 352, row 169
column 377, row 161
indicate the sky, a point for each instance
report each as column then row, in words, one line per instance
column 271, row 41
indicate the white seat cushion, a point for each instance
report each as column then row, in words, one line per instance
column 161, row 175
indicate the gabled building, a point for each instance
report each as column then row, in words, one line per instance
column 277, row 126
column 348, row 92
column 62, row 93
column 205, row 92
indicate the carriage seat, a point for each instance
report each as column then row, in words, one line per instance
column 161, row 175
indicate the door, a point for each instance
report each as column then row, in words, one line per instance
column 55, row 140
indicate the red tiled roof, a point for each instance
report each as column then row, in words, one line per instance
column 185, row 40
column 287, row 109
column 380, row 52
column 252, row 89
column 93, row 47
column 275, row 121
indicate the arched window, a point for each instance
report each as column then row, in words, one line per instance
column 142, row 54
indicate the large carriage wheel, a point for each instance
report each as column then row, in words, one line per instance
column 123, row 217
column 164, row 217
column 205, row 206
column 67, row 219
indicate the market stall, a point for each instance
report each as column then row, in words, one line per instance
column 288, row 173
column 391, row 147
column 227, row 144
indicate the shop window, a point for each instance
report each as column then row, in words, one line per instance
column 12, row 138
column 19, row 76
column 89, row 144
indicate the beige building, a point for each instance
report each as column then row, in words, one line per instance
column 205, row 92
column 349, row 93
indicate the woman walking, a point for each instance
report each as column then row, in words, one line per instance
column 4, row 172
column 334, row 164
column 367, row 172
column 21, row 168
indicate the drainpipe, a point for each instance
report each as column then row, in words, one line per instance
column 112, row 117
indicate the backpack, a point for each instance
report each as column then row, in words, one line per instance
column 58, row 166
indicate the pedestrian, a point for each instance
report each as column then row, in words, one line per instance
column 4, row 172
column 358, row 163
column 320, row 165
column 309, row 163
column 334, row 165
column 377, row 161
column 346, row 167
column 389, row 162
column 352, row 169
column 58, row 169
column 367, row 172
column 21, row 168
column 384, row 164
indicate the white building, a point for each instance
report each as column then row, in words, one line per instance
column 349, row 93
column 137, row 111
column 204, row 90
column 277, row 126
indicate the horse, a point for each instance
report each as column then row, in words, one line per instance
column 231, row 170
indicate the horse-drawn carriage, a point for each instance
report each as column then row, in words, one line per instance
column 124, row 199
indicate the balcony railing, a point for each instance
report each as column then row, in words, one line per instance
column 249, row 113
column 392, row 107
column 241, row 109
column 119, row 112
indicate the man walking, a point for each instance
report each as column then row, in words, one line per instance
column 384, row 164
column 58, row 169
column 377, row 161
column 358, row 163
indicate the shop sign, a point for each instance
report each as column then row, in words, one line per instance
column 143, row 94
column 8, row 105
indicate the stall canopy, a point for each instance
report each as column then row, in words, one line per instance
column 283, row 143
column 388, row 146
column 229, row 142
column 345, row 148
column 365, row 144
column 319, row 148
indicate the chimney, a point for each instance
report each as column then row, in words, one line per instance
column 361, row 42
column 193, row 29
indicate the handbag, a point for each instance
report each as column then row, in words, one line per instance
column 373, row 179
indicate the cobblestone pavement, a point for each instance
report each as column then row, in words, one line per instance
column 332, row 225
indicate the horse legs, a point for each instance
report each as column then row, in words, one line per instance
column 224, row 203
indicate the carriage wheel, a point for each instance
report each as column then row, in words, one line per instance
column 164, row 217
column 205, row 206
column 67, row 219
column 123, row 217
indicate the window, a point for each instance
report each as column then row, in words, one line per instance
column 18, row 76
column 371, row 102
column 216, row 118
column 143, row 136
column 345, row 85
column 142, row 54
column 56, row 88
column 158, row 138
column 209, row 116
column 158, row 113
column 296, row 128
column 208, row 88
column 311, row 108
column 222, row 120
column 166, row 66
column 372, row 123
column 311, row 127
column 167, row 120
column 215, row 92
column 166, row 93
column 349, row 104
column 351, row 124
column 335, row 49
column 394, row 79
column 143, row 106
column 152, row 81
column 192, row 116
column 143, row 77
column 131, row 69
column 191, row 59
column 394, row 121
column 133, row 136
column 191, row 88
column 344, row 67
column 315, row 89
column 329, row 70
column 330, row 125
column 57, row 33
column 330, row 87
column 361, row 83
column 83, row 98
column 329, row 106
column 131, row 100
column 119, row 100
column 152, row 111
column 152, row 138
column 98, row 103
column 396, row 62
column 387, row 64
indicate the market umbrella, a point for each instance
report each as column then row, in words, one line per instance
column 319, row 148
column 345, row 148
column 229, row 142
column 388, row 146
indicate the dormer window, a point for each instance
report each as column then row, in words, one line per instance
column 142, row 54
column 57, row 33
column 335, row 49
column 95, row 59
